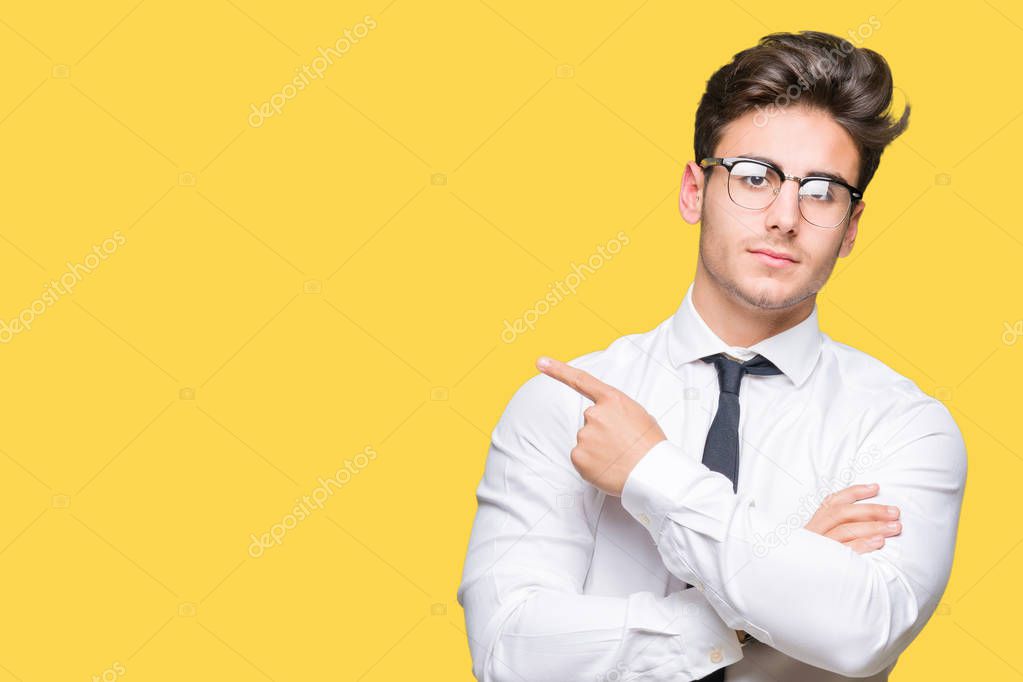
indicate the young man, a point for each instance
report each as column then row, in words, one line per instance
column 730, row 448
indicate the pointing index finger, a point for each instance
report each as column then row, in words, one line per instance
column 575, row 378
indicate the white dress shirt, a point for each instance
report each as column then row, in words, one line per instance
column 562, row 582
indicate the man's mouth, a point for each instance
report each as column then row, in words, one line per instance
column 776, row 259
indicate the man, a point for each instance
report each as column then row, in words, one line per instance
column 731, row 448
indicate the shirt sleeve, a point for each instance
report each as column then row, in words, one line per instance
column 806, row 595
column 529, row 552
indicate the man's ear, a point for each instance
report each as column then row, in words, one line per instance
column 850, row 234
column 690, row 198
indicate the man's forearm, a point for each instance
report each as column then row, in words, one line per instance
column 811, row 598
column 546, row 634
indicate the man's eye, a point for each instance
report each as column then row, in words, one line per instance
column 818, row 191
column 755, row 181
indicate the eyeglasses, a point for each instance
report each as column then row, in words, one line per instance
column 823, row 201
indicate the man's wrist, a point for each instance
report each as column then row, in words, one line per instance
column 668, row 480
column 654, row 485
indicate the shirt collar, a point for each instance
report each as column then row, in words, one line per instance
column 794, row 351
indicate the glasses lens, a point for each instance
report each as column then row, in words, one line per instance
column 752, row 185
column 824, row 203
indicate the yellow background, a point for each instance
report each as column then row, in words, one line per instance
column 337, row 278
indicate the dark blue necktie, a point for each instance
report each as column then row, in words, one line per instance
column 721, row 451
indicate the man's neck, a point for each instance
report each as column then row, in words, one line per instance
column 739, row 324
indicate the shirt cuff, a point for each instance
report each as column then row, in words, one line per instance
column 668, row 482
column 707, row 642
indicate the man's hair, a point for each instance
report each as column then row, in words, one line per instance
column 813, row 69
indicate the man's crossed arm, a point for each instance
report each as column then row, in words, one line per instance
column 847, row 608
column 830, row 604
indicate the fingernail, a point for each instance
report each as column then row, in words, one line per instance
column 876, row 540
column 543, row 362
column 893, row 525
column 873, row 486
column 893, row 511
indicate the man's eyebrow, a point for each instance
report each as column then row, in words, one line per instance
column 831, row 175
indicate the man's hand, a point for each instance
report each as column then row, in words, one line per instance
column 861, row 526
column 617, row 431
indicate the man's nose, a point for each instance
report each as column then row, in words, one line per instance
column 783, row 212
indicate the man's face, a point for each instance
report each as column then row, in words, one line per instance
column 801, row 142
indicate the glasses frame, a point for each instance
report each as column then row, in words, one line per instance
column 728, row 161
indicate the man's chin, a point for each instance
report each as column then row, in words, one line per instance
column 768, row 294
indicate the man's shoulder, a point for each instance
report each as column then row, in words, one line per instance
column 861, row 371
column 895, row 399
column 548, row 401
column 621, row 355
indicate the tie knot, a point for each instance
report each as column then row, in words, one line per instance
column 730, row 372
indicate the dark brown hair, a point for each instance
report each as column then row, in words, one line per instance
column 809, row 68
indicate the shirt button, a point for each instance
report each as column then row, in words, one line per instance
column 716, row 656
column 699, row 586
column 644, row 519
